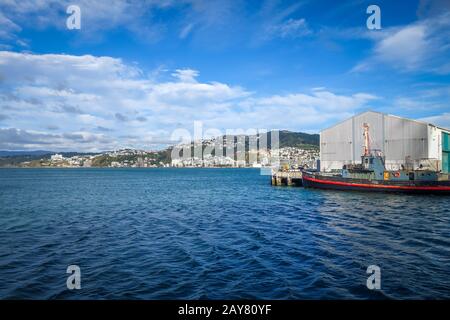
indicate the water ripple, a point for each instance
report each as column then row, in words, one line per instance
column 213, row 234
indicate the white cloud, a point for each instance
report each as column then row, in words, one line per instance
column 292, row 28
column 18, row 139
column 100, row 103
column 420, row 46
column 442, row 120
column 96, row 16
column 407, row 46
column 186, row 30
column 186, row 75
column 138, row 17
column 426, row 98
column 7, row 27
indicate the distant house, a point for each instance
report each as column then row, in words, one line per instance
column 56, row 157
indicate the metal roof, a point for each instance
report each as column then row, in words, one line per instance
column 387, row 114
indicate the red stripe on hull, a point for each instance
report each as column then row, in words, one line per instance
column 377, row 186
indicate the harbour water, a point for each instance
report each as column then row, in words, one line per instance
column 213, row 234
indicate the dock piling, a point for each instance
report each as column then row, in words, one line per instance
column 287, row 178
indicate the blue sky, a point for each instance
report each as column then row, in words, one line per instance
column 138, row 70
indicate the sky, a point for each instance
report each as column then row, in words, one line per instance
column 137, row 73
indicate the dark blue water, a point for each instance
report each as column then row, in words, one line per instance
column 213, row 234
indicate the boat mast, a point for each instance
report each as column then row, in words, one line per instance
column 366, row 139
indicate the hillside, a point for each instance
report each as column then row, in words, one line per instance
column 298, row 139
column 15, row 158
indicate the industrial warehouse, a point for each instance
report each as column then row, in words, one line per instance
column 374, row 151
column 404, row 143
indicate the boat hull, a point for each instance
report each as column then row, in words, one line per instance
column 314, row 180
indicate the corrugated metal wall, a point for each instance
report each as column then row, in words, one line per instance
column 336, row 145
column 396, row 137
column 375, row 121
column 405, row 138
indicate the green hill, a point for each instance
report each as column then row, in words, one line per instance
column 298, row 139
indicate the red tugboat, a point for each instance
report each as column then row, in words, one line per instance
column 371, row 175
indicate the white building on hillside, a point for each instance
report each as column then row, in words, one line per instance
column 56, row 157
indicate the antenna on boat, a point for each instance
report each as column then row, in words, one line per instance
column 366, row 139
